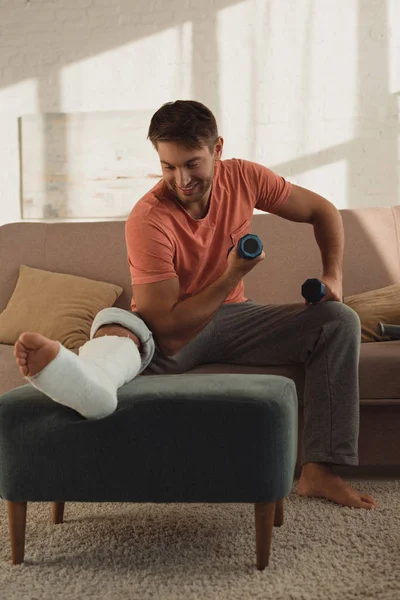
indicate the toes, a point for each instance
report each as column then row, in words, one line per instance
column 18, row 347
column 364, row 501
column 369, row 500
column 23, row 366
column 23, row 341
column 366, row 505
column 20, row 352
column 32, row 341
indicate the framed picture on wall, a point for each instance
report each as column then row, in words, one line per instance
column 85, row 165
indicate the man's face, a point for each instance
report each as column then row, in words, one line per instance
column 188, row 172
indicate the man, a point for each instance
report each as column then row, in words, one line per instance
column 188, row 292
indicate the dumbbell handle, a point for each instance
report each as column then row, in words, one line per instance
column 313, row 290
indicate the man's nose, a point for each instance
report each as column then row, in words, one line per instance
column 183, row 178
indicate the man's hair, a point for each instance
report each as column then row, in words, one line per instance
column 184, row 121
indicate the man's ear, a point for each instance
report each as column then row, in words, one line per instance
column 218, row 148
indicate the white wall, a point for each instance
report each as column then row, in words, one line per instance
column 308, row 87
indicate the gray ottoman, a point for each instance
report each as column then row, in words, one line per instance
column 173, row 438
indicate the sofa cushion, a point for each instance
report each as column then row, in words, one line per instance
column 379, row 371
column 374, row 306
column 59, row 306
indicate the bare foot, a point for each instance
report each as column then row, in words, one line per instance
column 318, row 480
column 33, row 352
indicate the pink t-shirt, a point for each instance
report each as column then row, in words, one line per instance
column 164, row 241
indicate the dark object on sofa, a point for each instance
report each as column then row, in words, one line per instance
column 391, row 331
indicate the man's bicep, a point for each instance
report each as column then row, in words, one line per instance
column 155, row 301
column 150, row 253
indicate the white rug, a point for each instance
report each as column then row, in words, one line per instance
column 207, row 551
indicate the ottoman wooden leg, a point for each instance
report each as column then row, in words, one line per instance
column 17, row 526
column 278, row 513
column 264, row 516
column 57, row 512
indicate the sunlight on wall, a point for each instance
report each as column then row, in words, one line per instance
column 394, row 78
column 398, row 145
column 138, row 75
column 235, row 79
column 334, row 74
column 326, row 178
column 279, row 105
column 394, row 46
column 14, row 100
column 134, row 84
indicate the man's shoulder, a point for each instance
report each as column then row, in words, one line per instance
column 230, row 164
column 240, row 163
column 152, row 203
column 238, row 166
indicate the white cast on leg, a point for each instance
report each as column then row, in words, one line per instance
column 88, row 383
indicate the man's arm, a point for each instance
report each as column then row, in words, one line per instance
column 175, row 323
column 304, row 206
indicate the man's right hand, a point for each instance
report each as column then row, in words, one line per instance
column 238, row 266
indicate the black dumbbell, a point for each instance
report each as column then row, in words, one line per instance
column 313, row 290
column 249, row 246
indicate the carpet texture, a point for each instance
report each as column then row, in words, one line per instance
column 207, row 551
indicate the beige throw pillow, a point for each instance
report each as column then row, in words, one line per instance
column 61, row 307
column 374, row 306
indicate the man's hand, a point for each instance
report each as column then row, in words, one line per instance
column 334, row 289
column 238, row 267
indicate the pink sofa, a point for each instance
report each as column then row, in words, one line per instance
column 372, row 261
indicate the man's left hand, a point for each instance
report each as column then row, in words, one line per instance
column 334, row 289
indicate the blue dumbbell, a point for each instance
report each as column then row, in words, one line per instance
column 313, row 290
column 250, row 246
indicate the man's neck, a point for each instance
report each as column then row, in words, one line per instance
column 198, row 210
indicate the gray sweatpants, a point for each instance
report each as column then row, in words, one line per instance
column 325, row 336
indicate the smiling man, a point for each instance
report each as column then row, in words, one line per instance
column 192, row 184
column 188, row 293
